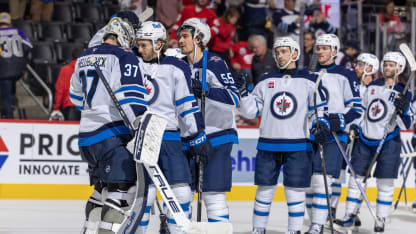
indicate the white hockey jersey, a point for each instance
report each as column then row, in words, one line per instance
column 286, row 106
column 222, row 99
column 379, row 108
column 100, row 119
column 170, row 93
column 342, row 90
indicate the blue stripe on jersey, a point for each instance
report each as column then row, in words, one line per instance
column 220, row 95
column 313, row 107
column 79, row 98
column 352, row 100
column 281, row 147
column 171, row 136
column 187, row 112
column 86, row 141
column 235, row 98
column 220, row 140
column 369, row 142
column 133, row 101
column 184, row 99
column 131, row 88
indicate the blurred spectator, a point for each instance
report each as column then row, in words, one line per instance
column 13, row 50
column 218, row 6
column 287, row 20
column 263, row 60
column 62, row 102
column 199, row 10
column 241, row 59
column 224, row 33
column 319, row 24
column 17, row 9
column 348, row 56
column 388, row 17
column 137, row 6
column 255, row 17
column 187, row 2
column 309, row 40
column 41, row 10
column 167, row 12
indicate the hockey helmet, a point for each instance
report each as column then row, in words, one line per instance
column 286, row 42
column 198, row 27
column 396, row 57
column 122, row 29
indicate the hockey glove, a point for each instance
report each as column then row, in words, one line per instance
column 57, row 115
column 354, row 131
column 200, row 145
column 321, row 134
column 414, row 141
column 197, row 88
column 401, row 103
column 337, row 122
column 241, row 82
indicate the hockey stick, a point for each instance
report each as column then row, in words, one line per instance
column 412, row 62
column 146, row 14
column 135, row 213
column 321, row 151
column 354, row 176
column 404, row 184
column 163, row 220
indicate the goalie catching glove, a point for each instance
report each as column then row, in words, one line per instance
column 199, row 145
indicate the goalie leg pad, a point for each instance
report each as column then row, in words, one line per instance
column 295, row 198
column 384, row 196
column 93, row 210
column 262, row 205
column 216, row 205
column 184, row 196
column 319, row 205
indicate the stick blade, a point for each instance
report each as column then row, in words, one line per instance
column 210, row 228
column 146, row 14
column 404, row 48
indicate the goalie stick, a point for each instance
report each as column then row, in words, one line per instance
column 411, row 60
column 321, row 151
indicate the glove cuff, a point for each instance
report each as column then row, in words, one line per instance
column 198, row 140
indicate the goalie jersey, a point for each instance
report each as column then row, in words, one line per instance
column 342, row 91
column 100, row 119
column 378, row 101
column 286, row 105
column 170, row 93
column 221, row 101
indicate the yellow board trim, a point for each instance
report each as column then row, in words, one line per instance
column 82, row 192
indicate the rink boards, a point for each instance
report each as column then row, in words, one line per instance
column 41, row 160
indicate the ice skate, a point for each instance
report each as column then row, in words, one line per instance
column 315, row 229
column 380, row 229
column 259, row 231
column 414, row 206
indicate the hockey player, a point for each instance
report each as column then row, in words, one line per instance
column 284, row 99
column 221, row 101
column 381, row 99
column 168, row 81
column 103, row 135
column 342, row 91
column 366, row 68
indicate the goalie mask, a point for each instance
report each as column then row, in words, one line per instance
column 154, row 32
column 198, row 27
column 286, row 42
column 397, row 58
column 329, row 40
column 369, row 60
column 122, row 29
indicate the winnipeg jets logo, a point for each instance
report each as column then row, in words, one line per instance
column 152, row 89
column 283, row 105
column 377, row 110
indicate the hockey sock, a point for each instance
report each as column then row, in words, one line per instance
column 184, row 195
column 336, row 189
column 309, row 199
column 384, row 196
column 295, row 198
column 319, row 204
column 354, row 197
column 262, row 204
column 216, row 205
column 151, row 196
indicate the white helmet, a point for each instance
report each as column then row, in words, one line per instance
column 198, row 27
column 396, row 57
column 329, row 40
column 286, row 42
column 122, row 29
column 369, row 60
column 152, row 31
column 174, row 52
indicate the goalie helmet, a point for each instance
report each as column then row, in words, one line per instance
column 286, row 42
column 369, row 60
column 122, row 29
column 396, row 57
column 329, row 40
column 152, row 31
column 198, row 28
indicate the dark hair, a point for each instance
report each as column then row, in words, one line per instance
column 310, row 33
column 230, row 12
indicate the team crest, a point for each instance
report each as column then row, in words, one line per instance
column 377, row 110
column 283, row 105
column 152, row 89
column 215, row 59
